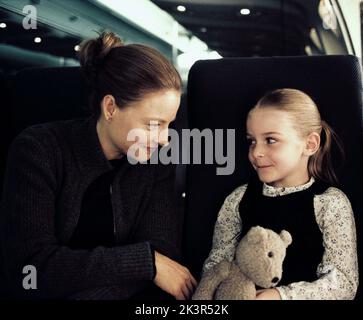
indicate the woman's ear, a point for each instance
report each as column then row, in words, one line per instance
column 108, row 105
column 312, row 144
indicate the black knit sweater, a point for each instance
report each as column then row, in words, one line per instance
column 293, row 212
column 49, row 168
column 95, row 225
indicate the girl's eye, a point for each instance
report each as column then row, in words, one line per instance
column 270, row 140
column 251, row 142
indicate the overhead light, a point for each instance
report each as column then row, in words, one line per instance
column 203, row 29
column 245, row 11
column 37, row 40
column 77, row 48
column 2, row 25
column 181, row 8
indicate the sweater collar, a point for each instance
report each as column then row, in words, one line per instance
column 87, row 147
column 271, row 191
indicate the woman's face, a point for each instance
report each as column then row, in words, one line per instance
column 140, row 127
column 276, row 151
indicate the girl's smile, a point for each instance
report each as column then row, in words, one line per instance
column 263, row 167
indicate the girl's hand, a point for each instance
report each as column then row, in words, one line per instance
column 173, row 278
column 268, row 294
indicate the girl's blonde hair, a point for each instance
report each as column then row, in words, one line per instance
column 306, row 119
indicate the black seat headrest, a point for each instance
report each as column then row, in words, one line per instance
column 46, row 94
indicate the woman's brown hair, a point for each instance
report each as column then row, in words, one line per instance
column 127, row 72
column 306, row 119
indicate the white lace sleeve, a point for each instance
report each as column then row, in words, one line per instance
column 338, row 271
column 227, row 227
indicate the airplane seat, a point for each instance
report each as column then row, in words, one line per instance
column 37, row 95
column 46, row 94
column 180, row 123
column 220, row 94
column 5, row 111
column 4, row 141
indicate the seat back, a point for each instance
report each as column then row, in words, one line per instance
column 5, row 112
column 4, row 143
column 41, row 95
column 38, row 95
column 220, row 94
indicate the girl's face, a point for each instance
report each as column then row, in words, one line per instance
column 139, row 128
column 276, row 150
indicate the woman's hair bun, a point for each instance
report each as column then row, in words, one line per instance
column 93, row 52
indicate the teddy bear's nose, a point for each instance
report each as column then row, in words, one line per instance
column 276, row 279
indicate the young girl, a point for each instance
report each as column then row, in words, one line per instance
column 290, row 151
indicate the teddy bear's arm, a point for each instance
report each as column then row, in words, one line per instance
column 211, row 280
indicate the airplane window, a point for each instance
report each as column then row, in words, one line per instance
column 329, row 28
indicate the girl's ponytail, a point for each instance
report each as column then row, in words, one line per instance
column 320, row 164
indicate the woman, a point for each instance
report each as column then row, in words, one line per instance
column 93, row 225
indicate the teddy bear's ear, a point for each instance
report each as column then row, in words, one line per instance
column 286, row 237
column 256, row 235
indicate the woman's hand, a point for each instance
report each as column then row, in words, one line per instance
column 173, row 277
column 268, row 294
